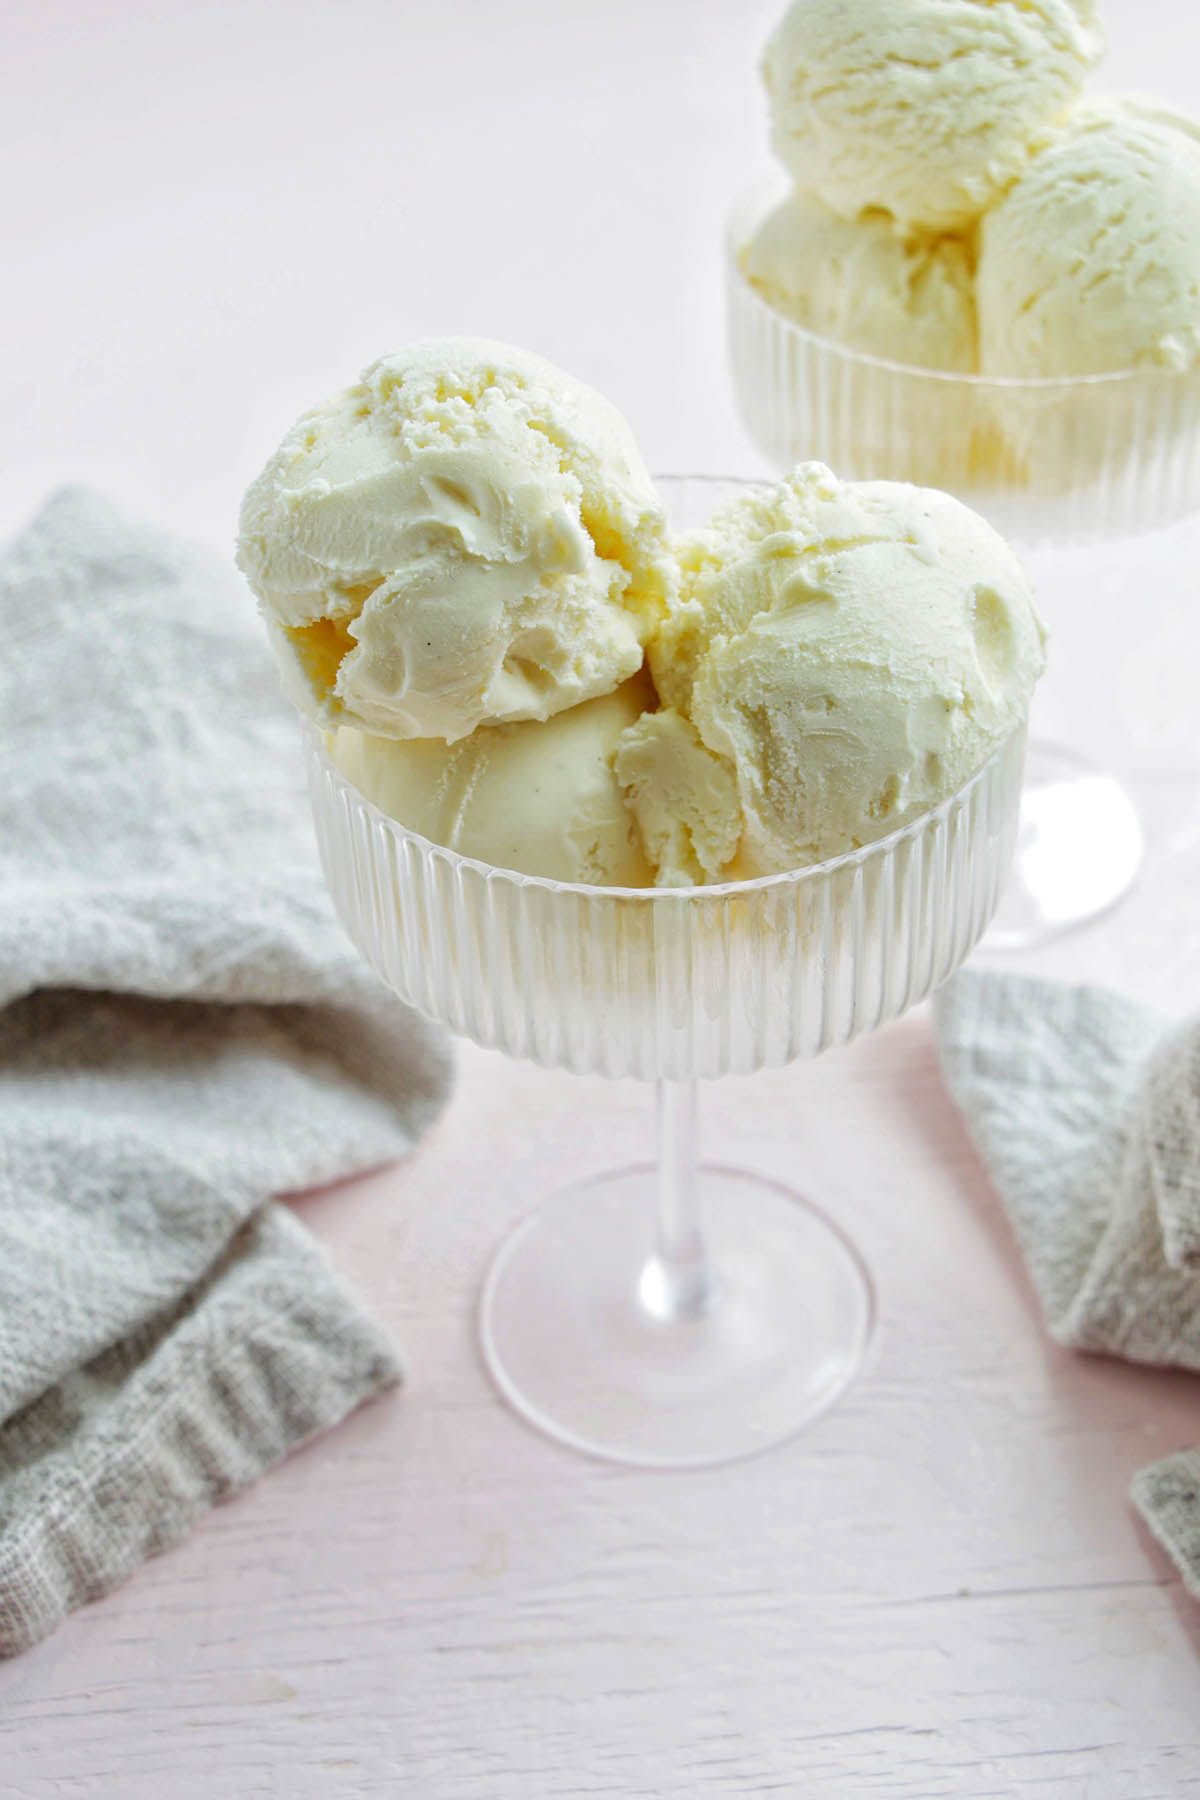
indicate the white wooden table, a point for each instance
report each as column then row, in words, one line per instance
column 940, row 1590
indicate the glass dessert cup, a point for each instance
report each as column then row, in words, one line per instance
column 1053, row 463
column 672, row 1316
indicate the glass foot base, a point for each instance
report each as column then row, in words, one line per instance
column 569, row 1335
column 1080, row 845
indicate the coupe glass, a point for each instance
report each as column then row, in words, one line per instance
column 1052, row 463
column 672, row 1315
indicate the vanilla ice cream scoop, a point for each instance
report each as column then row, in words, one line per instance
column 925, row 108
column 862, row 283
column 1091, row 262
column 853, row 653
column 466, row 536
column 540, row 798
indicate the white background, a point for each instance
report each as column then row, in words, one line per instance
column 212, row 214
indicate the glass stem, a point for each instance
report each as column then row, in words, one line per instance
column 677, row 1282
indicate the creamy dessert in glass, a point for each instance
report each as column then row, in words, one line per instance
column 724, row 775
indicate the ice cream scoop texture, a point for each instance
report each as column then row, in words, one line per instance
column 465, row 537
column 908, row 298
column 1091, row 262
column 852, row 652
column 468, row 580
column 538, row 797
column 925, row 108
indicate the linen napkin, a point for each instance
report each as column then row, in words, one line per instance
column 185, row 1032
column 1086, row 1110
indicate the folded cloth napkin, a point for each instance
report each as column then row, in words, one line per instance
column 1086, row 1109
column 185, row 1031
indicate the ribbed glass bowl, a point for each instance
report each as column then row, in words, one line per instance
column 672, row 1316
column 1049, row 461
column 668, row 983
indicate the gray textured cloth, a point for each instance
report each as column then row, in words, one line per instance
column 1086, row 1109
column 186, row 1031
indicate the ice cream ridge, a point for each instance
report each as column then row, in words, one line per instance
column 470, row 585
column 960, row 203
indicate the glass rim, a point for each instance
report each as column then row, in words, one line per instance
column 771, row 185
column 878, row 848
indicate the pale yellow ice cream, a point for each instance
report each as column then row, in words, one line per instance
column 859, row 281
column 684, row 798
column 540, row 798
column 464, row 537
column 926, row 108
column 853, row 652
column 1091, row 262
